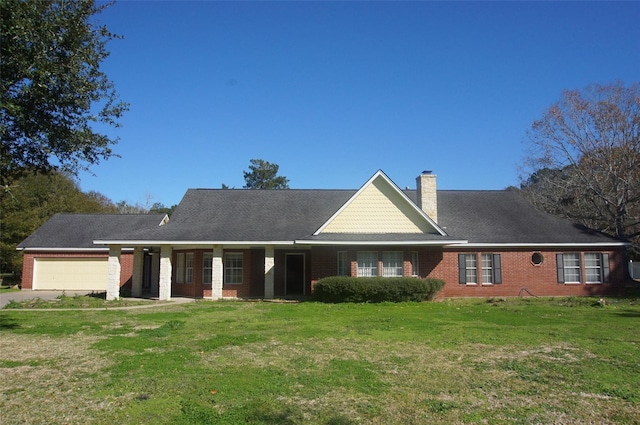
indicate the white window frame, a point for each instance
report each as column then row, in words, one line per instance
column 233, row 271
column 590, row 267
column 343, row 264
column 415, row 264
column 486, row 262
column 471, row 269
column 392, row 264
column 188, row 269
column 572, row 269
column 367, row 263
column 180, row 267
column 207, row 268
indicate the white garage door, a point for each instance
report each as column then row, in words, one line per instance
column 70, row 274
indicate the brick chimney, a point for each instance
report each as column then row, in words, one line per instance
column 427, row 197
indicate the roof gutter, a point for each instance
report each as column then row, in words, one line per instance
column 382, row 242
column 539, row 245
column 191, row 243
column 48, row 249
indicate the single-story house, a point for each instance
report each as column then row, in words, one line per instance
column 228, row 243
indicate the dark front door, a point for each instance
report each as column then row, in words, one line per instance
column 294, row 274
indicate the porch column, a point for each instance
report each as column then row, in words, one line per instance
column 269, row 265
column 138, row 268
column 113, row 273
column 165, row 273
column 217, row 268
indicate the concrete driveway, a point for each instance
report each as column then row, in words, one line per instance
column 28, row 295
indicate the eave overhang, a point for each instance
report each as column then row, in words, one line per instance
column 540, row 245
column 49, row 249
column 378, row 242
column 186, row 243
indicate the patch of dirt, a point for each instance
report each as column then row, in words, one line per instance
column 53, row 381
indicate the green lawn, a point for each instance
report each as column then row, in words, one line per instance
column 562, row 361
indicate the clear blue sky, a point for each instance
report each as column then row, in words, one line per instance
column 334, row 91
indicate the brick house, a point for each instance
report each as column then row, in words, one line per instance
column 227, row 243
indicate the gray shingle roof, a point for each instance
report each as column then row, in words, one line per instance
column 80, row 230
column 236, row 215
column 247, row 215
column 503, row 216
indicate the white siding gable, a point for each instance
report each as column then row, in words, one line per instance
column 379, row 207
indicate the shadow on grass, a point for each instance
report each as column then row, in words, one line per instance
column 628, row 313
column 7, row 323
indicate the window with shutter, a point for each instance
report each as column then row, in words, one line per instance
column 569, row 267
column 468, row 268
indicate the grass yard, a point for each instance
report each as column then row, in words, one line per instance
column 561, row 361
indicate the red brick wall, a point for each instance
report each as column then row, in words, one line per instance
column 198, row 289
column 519, row 275
column 194, row 289
column 126, row 264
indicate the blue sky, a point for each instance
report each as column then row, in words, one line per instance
column 334, row 91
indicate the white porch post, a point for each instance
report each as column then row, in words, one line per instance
column 165, row 273
column 217, row 268
column 269, row 265
column 113, row 273
column 138, row 267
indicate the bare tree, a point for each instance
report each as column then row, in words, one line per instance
column 583, row 159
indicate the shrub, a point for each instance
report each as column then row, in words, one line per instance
column 343, row 289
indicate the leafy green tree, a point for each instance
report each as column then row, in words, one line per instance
column 264, row 175
column 31, row 201
column 53, row 93
column 584, row 159
column 160, row 208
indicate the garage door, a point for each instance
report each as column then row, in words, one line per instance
column 70, row 274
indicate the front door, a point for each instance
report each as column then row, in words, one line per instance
column 294, row 274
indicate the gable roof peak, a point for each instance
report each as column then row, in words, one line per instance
column 373, row 215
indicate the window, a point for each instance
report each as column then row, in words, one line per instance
column 537, row 258
column 596, row 267
column 180, row 267
column 367, row 263
column 184, row 267
column 490, row 268
column 392, row 264
column 344, row 267
column 467, row 267
column 415, row 270
column 568, row 266
column 188, row 276
column 487, row 268
column 233, row 268
column 207, row 267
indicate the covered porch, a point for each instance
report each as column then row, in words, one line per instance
column 199, row 271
